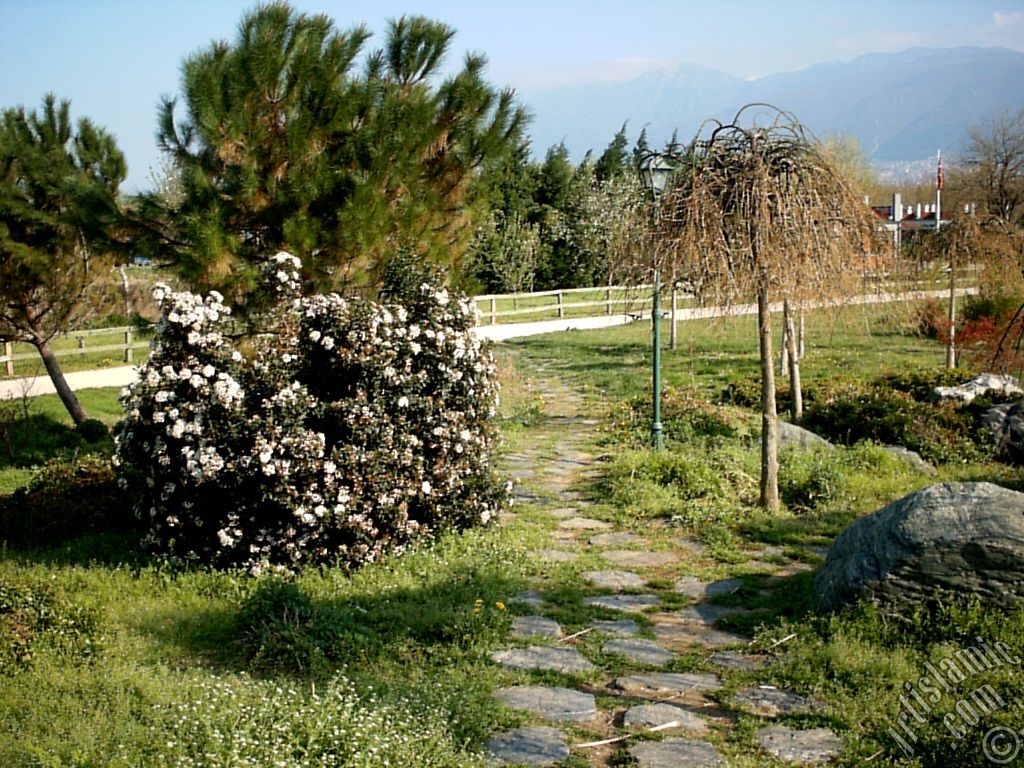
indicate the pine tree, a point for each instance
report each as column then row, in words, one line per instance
column 285, row 144
column 614, row 160
column 58, row 219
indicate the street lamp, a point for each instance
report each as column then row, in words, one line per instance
column 655, row 168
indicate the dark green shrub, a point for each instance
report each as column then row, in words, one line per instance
column 919, row 384
column 64, row 500
column 93, row 430
column 276, row 627
column 685, row 416
column 34, row 619
column 808, row 479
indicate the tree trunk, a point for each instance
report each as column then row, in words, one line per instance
column 126, row 290
column 64, row 392
column 784, row 354
column 796, row 408
column 769, row 426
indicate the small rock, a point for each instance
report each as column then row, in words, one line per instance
column 792, row 436
column 537, row 746
column 628, row 603
column 616, row 539
column 809, row 747
column 738, row 660
column 530, row 598
column 618, row 627
column 535, row 626
column 675, row 752
column 563, row 513
column 639, row 651
column 654, row 715
column 568, row 661
column 1006, row 424
column 668, row 682
column 694, row 587
column 558, row 704
column 583, row 524
column 772, row 702
column 615, row 579
column 912, row 458
column 559, row 555
column 982, row 384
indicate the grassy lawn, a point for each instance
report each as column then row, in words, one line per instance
column 141, row 665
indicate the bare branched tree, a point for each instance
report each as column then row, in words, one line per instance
column 756, row 209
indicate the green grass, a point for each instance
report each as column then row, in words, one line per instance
column 390, row 664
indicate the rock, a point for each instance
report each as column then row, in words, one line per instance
column 982, row 384
column 639, row 651
column 1006, row 423
column 537, row 746
column 568, row 661
column 617, row 627
column 668, row 682
column 558, row 704
column 738, row 660
column 617, row 539
column 530, row 597
column 912, row 458
column 673, row 753
column 809, row 747
column 772, row 702
column 792, row 436
column 615, row 579
column 535, row 626
column 558, row 555
column 583, row 524
column 694, row 587
column 948, row 539
column 655, row 715
column 628, row 603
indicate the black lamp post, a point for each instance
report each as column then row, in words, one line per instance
column 655, row 168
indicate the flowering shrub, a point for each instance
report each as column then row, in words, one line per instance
column 349, row 430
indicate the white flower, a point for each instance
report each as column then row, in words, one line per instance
column 329, row 467
column 314, row 336
column 403, row 401
column 209, row 371
column 426, row 487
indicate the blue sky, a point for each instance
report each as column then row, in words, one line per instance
column 115, row 58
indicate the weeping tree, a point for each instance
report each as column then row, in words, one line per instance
column 756, row 210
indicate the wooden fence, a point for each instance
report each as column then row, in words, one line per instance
column 568, row 302
column 76, row 344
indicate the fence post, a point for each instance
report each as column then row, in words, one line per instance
column 128, row 346
column 9, row 354
column 81, row 345
column 561, row 309
column 672, row 329
column 493, row 306
column 607, row 301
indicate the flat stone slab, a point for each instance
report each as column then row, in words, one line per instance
column 694, row 587
column 691, row 634
column 559, row 555
column 536, row 746
column 738, row 660
column 772, row 702
column 617, row 539
column 531, row 598
column 675, row 752
column 621, row 627
column 568, row 661
column 639, row 651
column 583, row 524
column 655, row 715
column 808, row 747
column 615, row 579
column 558, row 704
column 535, row 626
column 628, row 603
column 563, row 513
column 703, row 613
column 668, row 682
column 629, row 558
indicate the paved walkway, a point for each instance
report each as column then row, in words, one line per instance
column 652, row 655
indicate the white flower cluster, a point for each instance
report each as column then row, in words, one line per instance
column 355, row 428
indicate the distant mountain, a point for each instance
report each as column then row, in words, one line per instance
column 902, row 106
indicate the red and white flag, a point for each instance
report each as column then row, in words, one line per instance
column 938, row 175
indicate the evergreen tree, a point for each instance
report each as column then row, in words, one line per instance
column 615, row 159
column 58, row 219
column 641, row 149
column 284, row 145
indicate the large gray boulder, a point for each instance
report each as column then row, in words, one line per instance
column 1006, row 423
column 793, row 436
column 982, row 384
column 948, row 539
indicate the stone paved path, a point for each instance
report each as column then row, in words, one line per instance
column 650, row 618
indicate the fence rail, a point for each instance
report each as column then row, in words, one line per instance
column 74, row 344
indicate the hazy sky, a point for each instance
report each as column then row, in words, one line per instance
column 115, row 58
